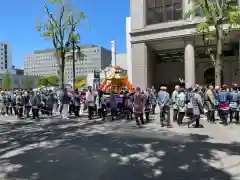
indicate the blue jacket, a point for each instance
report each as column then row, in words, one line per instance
column 163, row 98
column 223, row 97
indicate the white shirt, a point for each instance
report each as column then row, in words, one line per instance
column 90, row 97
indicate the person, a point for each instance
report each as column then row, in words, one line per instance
column 163, row 100
column 181, row 105
column 49, row 103
column 35, row 101
column 65, row 101
column 77, row 102
column 147, row 103
column 210, row 103
column 100, row 104
column 153, row 98
column 234, row 96
column 113, row 104
column 138, row 104
column 197, row 107
column 223, row 101
column 174, row 105
column 90, row 96
column 20, row 104
column 2, row 106
column 27, row 103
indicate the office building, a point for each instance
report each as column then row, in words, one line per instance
column 44, row 63
column 164, row 46
column 5, row 57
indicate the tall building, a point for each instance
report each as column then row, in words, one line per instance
column 5, row 57
column 164, row 46
column 44, row 63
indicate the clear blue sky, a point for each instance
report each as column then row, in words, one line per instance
column 18, row 19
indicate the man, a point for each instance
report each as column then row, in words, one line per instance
column 90, row 97
column 27, row 103
column 138, row 104
column 35, row 101
column 210, row 102
column 77, row 102
column 223, row 101
column 197, row 105
column 65, row 101
column 181, row 105
column 234, row 96
column 174, row 105
column 163, row 100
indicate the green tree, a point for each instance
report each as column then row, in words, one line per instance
column 42, row 81
column 27, row 82
column 53, row 80
column 7, row 81
column 59, row 27
column 217, row 15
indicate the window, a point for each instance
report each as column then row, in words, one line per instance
column 159, row 11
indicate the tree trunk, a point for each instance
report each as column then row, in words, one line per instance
column 218, row 61
column 74, row 71
column 62, row 66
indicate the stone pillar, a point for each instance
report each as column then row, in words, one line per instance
column 187, row 5
column 139, row 65
column 138, row 13
column 129, row 49
column 189, row 64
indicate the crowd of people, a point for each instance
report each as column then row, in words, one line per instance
column 190, row 102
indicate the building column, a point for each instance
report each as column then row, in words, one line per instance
column 189, row 64
column 138, row 13
column 139, row 65
column 187, row 5
column 129, row 49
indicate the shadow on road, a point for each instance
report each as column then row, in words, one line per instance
column 70, row 151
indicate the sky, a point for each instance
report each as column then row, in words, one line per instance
column 19, row 18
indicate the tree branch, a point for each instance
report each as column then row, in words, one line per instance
column 61, row 31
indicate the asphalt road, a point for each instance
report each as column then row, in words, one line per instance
column 77, row 149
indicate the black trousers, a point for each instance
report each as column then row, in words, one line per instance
column 165, row 115
column 175, row 115
column 234, row 114
column 180, row 117
column 137, row 116
column 76, row 110
column 35, row 113
column 195, row 118
column 27, row 110
column 90, row 111
column 20, row 112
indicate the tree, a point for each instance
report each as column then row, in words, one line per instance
column 217, row 15
column 7, row 81
column 43, row 81
column 60, row 27
column 52, row 80
column 75, row 47
column 27, row 82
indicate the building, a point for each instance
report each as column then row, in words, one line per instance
column 5, row 57
column 17, row 71
column 44, row 63
column 164, row 47
column 121, row 60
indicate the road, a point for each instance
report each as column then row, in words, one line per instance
column 78, row 149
